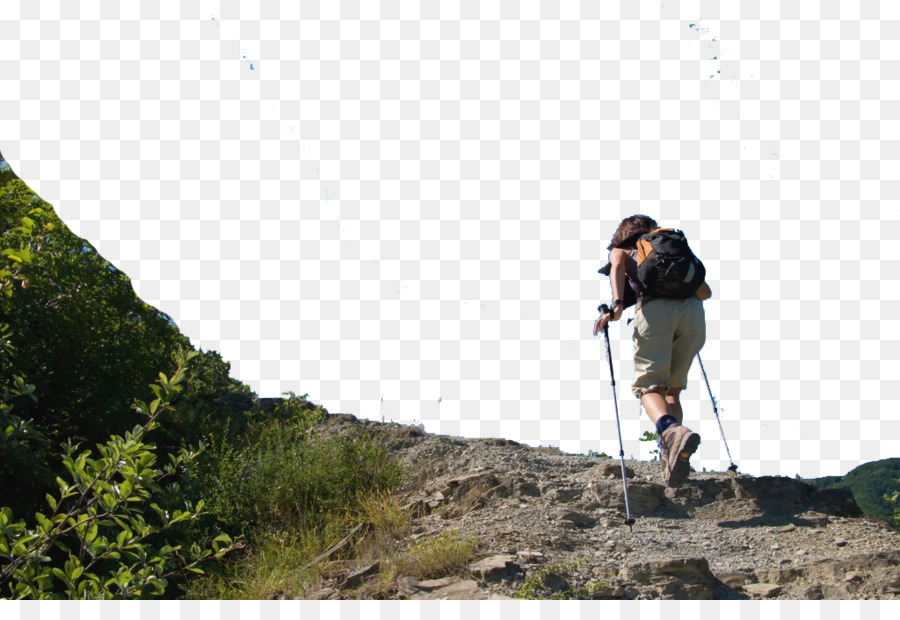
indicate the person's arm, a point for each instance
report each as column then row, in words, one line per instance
column 617, row 259
column 704, row 291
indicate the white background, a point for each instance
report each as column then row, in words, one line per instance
column 410, row 201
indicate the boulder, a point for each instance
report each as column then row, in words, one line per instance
column 494, row 568
column 614, row 470
column 763, row 590
column 573, row 518
column 467, row 590
column 686, row 578
column 643, row 497
column 527, row 489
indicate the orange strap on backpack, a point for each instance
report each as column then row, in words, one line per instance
column 644, row 247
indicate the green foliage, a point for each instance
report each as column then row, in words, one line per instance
column 648, row 436
column 279, row 474
column 76, row 345
column 536, row 586
column 869, row 483
column 74, row 317
column 274, row 564
column 23, row 471
column 198, row 416
column 447, row 553
column 296, row 410
column 95, row 541
column 891, row 498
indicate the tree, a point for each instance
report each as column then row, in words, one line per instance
column 23, row 471
column 83, row 336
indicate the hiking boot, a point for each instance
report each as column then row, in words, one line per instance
column 678, row 444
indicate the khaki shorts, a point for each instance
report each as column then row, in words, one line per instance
column 668, row 334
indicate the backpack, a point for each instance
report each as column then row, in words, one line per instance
column 666, row 267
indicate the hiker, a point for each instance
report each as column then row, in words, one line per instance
column 668, row 334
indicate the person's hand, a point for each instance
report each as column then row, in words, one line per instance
column 604, row 320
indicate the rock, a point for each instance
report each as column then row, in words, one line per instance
column 643, row 496
column 813, row 593
column 459, row 488
column 677, row 578
column 342, row 418
column 764, row 590
column 732, row 522
column 557, row 496
column 840, row 542
column 530, row 556
column 356, row 578
column 838, row 502
column 493, row 568
column 614, row 470
column 412, row 588
column 325, row 594
column 814, row 519
column 434, row 584
column 528, row 489
column 735, row 579
column 696, row 567
column 577, row 519
column 460, row 591
column 408, row 586
column 554, row 582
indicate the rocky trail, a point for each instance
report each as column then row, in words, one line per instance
column 551, row 525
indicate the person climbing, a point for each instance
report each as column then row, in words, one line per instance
column 668, row 333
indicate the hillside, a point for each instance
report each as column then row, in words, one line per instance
column 869, row 482
column 551, row 525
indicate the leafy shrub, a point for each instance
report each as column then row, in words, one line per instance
column 96, row 541
column 891, row 498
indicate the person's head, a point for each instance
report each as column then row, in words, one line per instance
column 630, row 230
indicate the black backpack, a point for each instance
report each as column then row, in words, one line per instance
column 666, row 267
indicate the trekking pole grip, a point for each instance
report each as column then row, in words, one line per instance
column 604, row 310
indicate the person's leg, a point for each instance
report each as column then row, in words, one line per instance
column 673, row 405
column 680, row 442
column 652, row 341
column 656, row 405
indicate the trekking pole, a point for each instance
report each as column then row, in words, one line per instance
column 604, row 309
column 733, row 467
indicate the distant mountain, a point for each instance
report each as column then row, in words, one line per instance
column 868, row 483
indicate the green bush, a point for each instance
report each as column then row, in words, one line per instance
column 447, row 553
column 281, row 476
column 100, row 537
column 891, row 498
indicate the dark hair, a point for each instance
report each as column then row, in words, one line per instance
column 630, row 230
